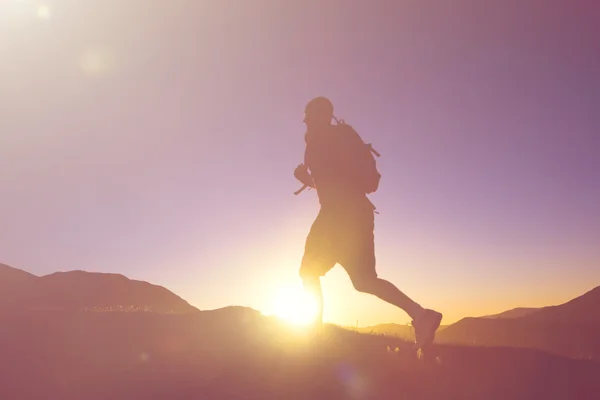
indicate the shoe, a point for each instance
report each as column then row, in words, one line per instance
column 425, row 327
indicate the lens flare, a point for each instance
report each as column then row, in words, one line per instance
column 97, row 61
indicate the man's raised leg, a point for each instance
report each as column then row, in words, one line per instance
column 389, row 293
column 425, row 321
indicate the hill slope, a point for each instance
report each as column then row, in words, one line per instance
column 80, row 290
column 14, row 283
column 514, row 313
column 236, row 353
column 571, row 329
column 582, row 310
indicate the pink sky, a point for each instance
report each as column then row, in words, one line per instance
column 158, row 140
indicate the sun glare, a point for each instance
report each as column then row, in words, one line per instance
column 96, row 62
column 295, row 306
column 43, row 12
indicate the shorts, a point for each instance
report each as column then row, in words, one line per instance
column 342, row 236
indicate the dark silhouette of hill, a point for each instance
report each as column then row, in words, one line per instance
column 571, row 329
column 514, row 313
column 9, row 275
column 582, row 310
column 13, row 284
column 54, row 347
column 236, row 353
column 80, row 290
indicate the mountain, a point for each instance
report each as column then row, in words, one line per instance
column 9, row 275
column 236, row 353
column 80, row 290
column 514, row 313
column 582, row 310
column 571, row 329
column 53, row 349
column 13, row 284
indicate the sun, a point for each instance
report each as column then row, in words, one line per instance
column 44, row 12
column 295, row 306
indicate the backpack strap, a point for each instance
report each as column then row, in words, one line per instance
column 373, row 150
column 297, row 192
column 342, row 122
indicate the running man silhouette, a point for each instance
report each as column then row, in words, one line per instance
column 343, row 229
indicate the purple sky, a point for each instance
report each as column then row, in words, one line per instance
column 158, row 140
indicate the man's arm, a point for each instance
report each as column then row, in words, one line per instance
column 301, row 173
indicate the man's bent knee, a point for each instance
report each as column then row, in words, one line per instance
column 314, row 267
column 364, row 284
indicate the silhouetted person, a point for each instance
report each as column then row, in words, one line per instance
column 337, row 159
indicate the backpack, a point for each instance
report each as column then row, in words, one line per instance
column 361, row 158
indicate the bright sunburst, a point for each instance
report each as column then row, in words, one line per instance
column 44, row 12
column 295, row 306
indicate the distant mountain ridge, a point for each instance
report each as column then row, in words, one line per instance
column 582, row 310
column 90, row 291
column 514, row 313
column 14, row 285
column 571, row 329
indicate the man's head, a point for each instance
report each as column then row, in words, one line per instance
column 318, row 112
